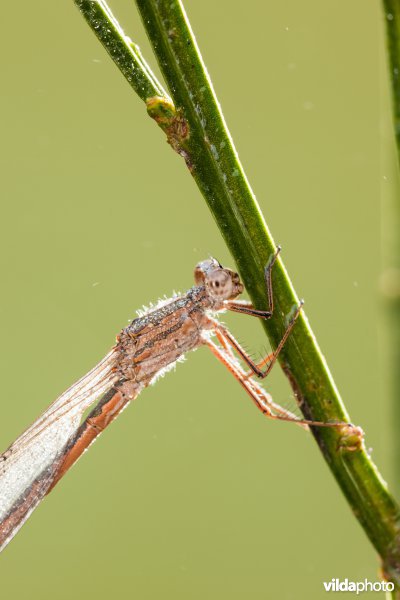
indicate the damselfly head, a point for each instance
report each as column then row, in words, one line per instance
column 221, row 283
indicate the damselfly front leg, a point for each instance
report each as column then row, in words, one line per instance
column 248, row 309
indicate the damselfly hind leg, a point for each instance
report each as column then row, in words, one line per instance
column 263, row 400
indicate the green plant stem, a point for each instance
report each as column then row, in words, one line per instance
column 392, row 19
column 196, row 130
column 125, row 53
column 390, row 280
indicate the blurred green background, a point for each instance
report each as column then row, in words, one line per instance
column 191, row 494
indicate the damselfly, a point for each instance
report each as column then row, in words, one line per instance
column 144, row 350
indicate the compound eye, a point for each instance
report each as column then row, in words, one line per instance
column 220, row 285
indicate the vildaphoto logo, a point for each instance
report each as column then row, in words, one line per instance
column 336, row 585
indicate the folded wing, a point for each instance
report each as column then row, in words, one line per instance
column 29, row 465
